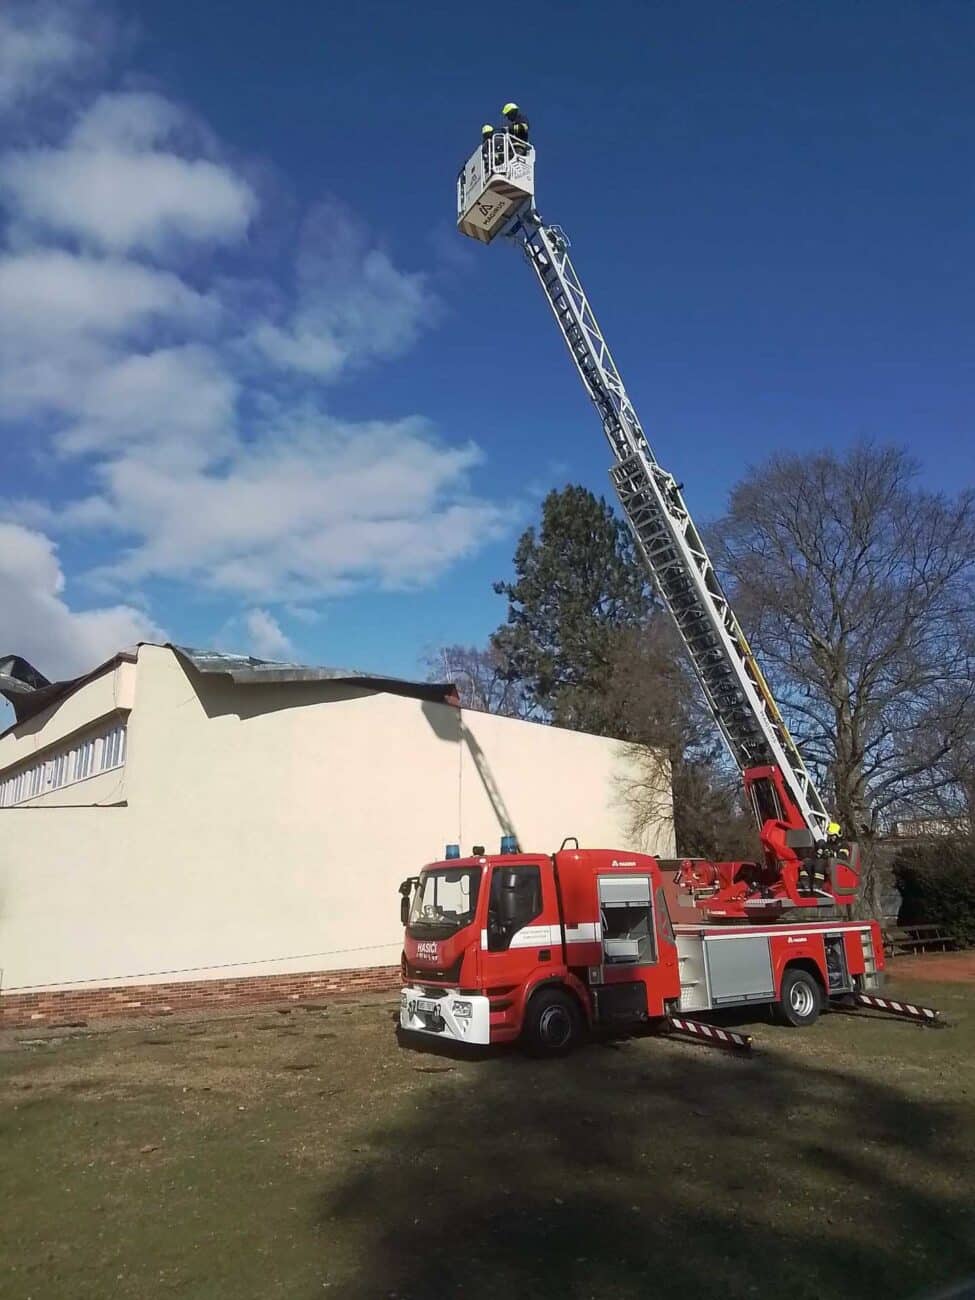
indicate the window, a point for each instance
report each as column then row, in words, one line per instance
column 10, row 789
column 664, row 923
column 627, row 920
column 627, row 935
column 765, row 801
column 444, row 902
column 57, row 771
column 76, row 762
column 113, row 749
column 83, row 756
column 516, row 899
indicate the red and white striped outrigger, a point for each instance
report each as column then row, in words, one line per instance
column 926, row 1015
column 727, row 1038
column 711, row 1034
column 715, row 1036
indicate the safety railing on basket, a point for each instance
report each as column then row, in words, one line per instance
column 501, row 155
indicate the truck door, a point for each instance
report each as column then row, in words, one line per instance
column 640, row 968
column 523, row 930
column 626, row 915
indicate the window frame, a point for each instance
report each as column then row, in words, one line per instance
column 613, row 909
column 499, row 937
column 103, row 750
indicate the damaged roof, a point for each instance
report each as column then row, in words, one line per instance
column 30, row 692
column 245, row 670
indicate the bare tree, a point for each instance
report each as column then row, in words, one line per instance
column 480, row 680
column 674, row 745
column 856, row 587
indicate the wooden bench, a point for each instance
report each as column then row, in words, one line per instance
column 902, row 939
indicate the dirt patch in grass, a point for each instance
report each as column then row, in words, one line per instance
column 231, row 1161
column 938, row 967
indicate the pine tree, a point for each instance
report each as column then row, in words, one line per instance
column 577, row 583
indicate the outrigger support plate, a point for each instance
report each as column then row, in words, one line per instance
column 713, row 1035
column 909, row 1010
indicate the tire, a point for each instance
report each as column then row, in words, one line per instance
column 801, row 999
column 553, row 1024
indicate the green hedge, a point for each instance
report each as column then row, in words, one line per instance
column 937, row 885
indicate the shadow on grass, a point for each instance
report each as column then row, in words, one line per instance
column 656, row 1171
column 445, row 1048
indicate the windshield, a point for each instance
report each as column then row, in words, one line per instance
column 445, row 899
column 765, row 801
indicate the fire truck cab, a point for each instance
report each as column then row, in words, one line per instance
column 540, row 947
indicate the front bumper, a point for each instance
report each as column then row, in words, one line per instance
column 435, row 1013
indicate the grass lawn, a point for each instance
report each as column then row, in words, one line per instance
column 307, row 1154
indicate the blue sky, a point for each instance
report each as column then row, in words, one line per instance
column 258, row 393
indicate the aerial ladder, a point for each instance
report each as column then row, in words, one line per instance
column 807, row 863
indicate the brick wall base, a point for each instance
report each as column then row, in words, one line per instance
column 65, row 1006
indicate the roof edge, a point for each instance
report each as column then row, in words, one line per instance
column 30, row 692
column 28, row 701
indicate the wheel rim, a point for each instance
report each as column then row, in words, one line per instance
column 555, row 1026
column 801, row 999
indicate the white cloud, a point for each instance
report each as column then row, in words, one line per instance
column 302, row 613
column 353, row 304
column 176, row 418
column 300, row 348
column 127, row 122
column 175, row 403
column 45, row 291
column 63, row 319
column 38, row 43
column 265, row 636
column 319, row 508
column 37, row 622
column 111, row 187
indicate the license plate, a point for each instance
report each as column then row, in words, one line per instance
column 424, row 1006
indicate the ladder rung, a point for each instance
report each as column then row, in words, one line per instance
column 659, row 520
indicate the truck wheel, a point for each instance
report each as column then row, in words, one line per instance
column 553, row 1023
column 801, row 999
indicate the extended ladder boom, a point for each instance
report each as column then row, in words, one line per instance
column 651, row 499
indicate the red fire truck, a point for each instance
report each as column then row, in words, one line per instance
column 544, row 947
column 541, row 946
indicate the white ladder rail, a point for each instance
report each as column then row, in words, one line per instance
column 737, row 693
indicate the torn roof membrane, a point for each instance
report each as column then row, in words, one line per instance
column 244, row 670
column 30, row 692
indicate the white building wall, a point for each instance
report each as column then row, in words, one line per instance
column 265, row 828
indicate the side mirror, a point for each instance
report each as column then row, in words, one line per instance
column 406, row 897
